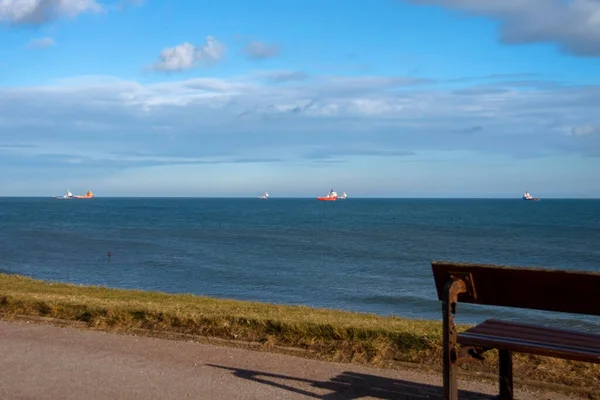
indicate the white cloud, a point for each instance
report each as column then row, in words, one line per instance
column 574, row 25
column 133, row 2
column 584, row 130
column 41, row 43
column 280, row 76
column 260, row 51
column 186, row 55
column 41, row 11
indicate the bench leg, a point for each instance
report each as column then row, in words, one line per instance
column 450, row 382
column 449, row 302
column 506, row 375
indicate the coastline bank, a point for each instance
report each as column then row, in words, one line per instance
column 331, row 335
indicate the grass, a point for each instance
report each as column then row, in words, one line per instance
column 317, row 333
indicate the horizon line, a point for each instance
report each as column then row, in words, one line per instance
column 309, row 197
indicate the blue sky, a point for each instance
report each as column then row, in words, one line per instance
column 386, row 98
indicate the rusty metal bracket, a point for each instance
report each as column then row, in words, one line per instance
column 469, row 292
column 470, row 353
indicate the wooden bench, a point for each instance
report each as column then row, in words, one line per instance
column 531, row 288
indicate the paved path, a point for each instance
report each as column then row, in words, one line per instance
column 47, row 362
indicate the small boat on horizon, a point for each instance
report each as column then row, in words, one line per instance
column 344, row 196
column 69, row 196
column 331, row 196
column 264, row 196
column 527, row 196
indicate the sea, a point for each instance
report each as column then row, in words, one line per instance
column 366, row 255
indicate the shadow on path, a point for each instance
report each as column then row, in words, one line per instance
column 351, row 385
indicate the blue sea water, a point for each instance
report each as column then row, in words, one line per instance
column 368, row 255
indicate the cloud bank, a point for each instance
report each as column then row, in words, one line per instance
column 573, row 25
column 42, row 11
column 125, row 124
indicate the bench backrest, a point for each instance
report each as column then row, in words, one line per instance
column 532, row 288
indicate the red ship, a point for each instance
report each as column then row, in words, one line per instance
column 331, row 196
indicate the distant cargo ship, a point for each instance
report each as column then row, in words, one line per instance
column 331, row 196
column 68, row 196
column 264, row 196
column 529, row 197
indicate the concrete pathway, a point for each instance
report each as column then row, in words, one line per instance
column 39, row 361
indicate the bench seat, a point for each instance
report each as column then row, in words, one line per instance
column 533, row 339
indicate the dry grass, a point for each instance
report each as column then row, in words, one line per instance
column 321, row 333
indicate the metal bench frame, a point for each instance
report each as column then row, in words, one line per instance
column 532, row 288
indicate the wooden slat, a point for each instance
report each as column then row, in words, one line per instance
column 532, row 288
column 538, row 333
column 533, row 339
column 522, row 346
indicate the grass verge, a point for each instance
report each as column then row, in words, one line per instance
column 317, row 333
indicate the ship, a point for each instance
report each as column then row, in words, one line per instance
column 331, row 196
column 344, row 196
column 67, row 195
column 88, row 195
column 264, row 196
column 70, row 196
column 527, row 196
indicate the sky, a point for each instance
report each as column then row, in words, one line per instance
column 378, row 98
